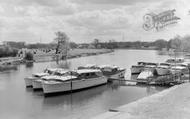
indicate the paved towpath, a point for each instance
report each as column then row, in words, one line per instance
column 172, row 103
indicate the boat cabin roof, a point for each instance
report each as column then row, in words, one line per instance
column 81, row 71
column 62, row 71
column 108, row 66
column 59, row 78
column 178, row 67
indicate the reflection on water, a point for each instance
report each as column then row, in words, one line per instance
column 76, row 97
column 104, row 97
column 29, row 64
column 19, row 102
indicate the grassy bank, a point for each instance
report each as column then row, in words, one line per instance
column 43, row 57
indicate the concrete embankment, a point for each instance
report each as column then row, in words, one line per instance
column 172, row 103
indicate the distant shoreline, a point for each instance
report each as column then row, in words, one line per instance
column 75, row 53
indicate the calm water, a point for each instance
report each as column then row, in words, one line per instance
column 18, row 102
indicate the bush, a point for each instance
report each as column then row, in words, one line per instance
column 8, row 52
column 29, row 56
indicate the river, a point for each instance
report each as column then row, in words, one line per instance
column 18, row 102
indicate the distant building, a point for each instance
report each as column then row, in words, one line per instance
column 83, row 45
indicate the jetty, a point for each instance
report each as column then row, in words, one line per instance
column 172, row 103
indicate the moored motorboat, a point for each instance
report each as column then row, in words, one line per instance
column 112, row 72
column 35, row 76
column 37, row 84
column 80, row 79
column 28, row 80
column 163, row 69
column 136, row 69
column 179, row 69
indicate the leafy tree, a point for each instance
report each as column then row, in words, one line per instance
column 176, row 43
column 73, row 45
column 96, row 42
column 62, row 41
column 161, row 43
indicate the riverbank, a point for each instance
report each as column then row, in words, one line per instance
column 72, row 54
column 172, row 103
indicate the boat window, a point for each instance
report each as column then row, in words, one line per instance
column 93, row 75
column 82, row 76
column 87, row 75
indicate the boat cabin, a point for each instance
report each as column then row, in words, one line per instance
column 58, row 79
column 110, row 70
column 87, row 73
column 61, row 72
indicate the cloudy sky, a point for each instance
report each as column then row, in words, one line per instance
column 83, row 20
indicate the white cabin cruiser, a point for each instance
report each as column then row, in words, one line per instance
column 80, row 79
column 37, row 84
column 35, row 76
column 179, row 69
column 112, row 72
column 163, row 69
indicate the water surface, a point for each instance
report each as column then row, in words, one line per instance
column 16, row 101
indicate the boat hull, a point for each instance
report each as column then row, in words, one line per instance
column 37, row 84
column 49, row 88
column 162, row 71
column 28, row 81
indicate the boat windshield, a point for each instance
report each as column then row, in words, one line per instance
column 90, row 75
